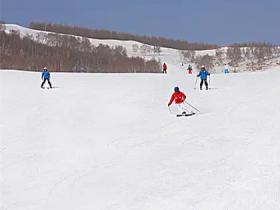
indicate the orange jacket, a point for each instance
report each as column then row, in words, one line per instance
column 179, row 97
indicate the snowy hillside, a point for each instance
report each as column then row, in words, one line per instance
column 240, row 59
column 39, row 36
column 108, row 142
column 168, row 55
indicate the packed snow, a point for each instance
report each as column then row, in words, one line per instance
column 109, row 142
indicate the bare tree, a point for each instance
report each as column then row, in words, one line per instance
column 157, row 50
column 135, row 48
column 120, row 50
column 205, row 60
column 144, row 49
column 220, row 56
column 234, row 55
column 2, row 27
column 187, row 56
column 247, row 52
column 262, row 53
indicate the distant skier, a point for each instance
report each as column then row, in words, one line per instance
column 189, row 69
column 179, row 98
column 203, row 76
column 46, row 77
column 226, row 70
column 164, row 68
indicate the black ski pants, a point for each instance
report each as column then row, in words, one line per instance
column 42, row 85
column 205, row 82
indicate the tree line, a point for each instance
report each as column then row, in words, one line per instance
column 106, row 34
column 68, row 54
column 255, row 55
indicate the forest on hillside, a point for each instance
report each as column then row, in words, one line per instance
column 106, row 34
column 251, row 56
column 68, row 54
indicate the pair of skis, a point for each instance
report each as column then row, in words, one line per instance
column 185, row 114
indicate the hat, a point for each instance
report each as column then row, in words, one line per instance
column 176, row 89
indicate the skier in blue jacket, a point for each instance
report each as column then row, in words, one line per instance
column 203, row 76
column 46, row 76
column 226, row 70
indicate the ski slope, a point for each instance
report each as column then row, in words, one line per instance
column 108, row 142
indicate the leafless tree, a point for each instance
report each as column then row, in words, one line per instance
column 234, row 55
column 157, row 50
column 220, row 56
column 2, row 27
column 206, row 61
column 135, row 48
column 187, row 56
column 145, row 49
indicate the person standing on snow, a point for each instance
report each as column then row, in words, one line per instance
column 46, row 77
column 189, row 69
column 226, row 71
column 179, row 98
column 203, row 76
column 164, row 68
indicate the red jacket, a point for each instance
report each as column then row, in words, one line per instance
column 164, row 67
column 179, row 97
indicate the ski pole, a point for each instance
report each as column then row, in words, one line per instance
column 169, row 109
column 209, row 81
column 195, row 83
column 192, row 106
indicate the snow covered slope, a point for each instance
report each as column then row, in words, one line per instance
column 171, row 56
column 39, row 36
column 108, row 142
column 168, row 55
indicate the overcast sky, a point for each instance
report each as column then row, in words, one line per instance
column 212, row 21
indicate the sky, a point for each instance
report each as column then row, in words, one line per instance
column 210, row 21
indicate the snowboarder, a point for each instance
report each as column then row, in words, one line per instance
column 203, row 76
column 164, row 68
column 189, row 69
column 179, row 98
column 226, row 71
column 46, row 77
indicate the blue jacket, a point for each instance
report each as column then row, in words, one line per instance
column 45, row 74
column 203, row 74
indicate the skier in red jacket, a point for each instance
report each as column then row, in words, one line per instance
column 164, row 68
column 179, row 98
column 189, row 69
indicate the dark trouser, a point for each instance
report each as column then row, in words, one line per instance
column 42, row 85
column 205, row 82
